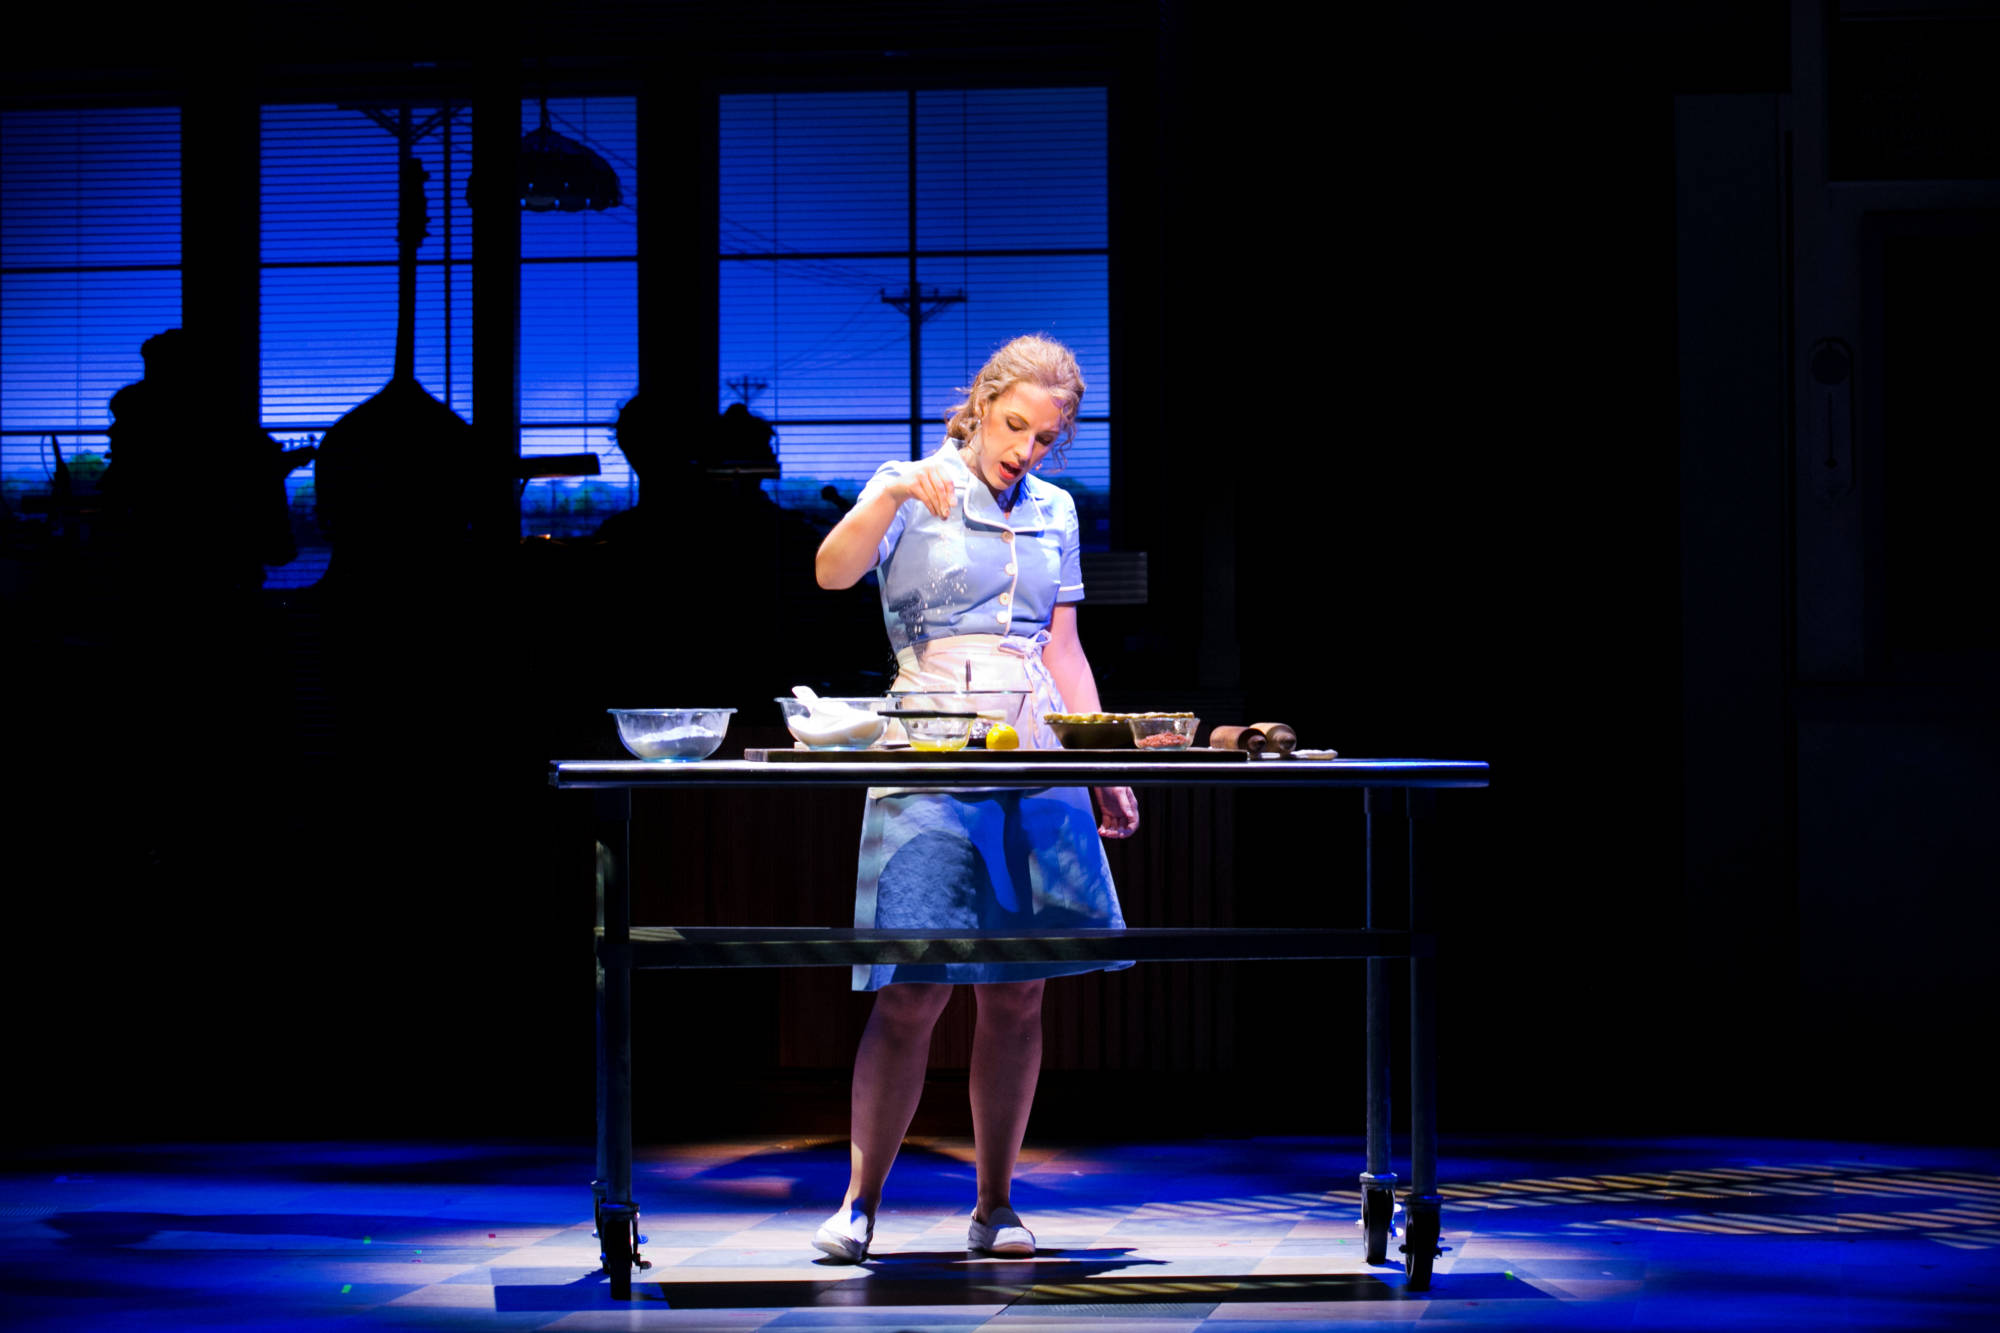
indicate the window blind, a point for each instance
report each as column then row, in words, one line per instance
column 580, row 324
column 328, row 305
column 90, row 252
column 985, row 208
column 328, row 259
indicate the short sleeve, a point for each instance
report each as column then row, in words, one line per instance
column 1069, row 583
column 884, row 475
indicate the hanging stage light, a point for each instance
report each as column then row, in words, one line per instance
column 557, row 172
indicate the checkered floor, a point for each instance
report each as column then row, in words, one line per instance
column 1228, row 1235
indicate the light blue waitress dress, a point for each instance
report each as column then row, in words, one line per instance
column 978, row 590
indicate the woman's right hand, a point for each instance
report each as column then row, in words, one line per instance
column 849, row 550
column 929, row 483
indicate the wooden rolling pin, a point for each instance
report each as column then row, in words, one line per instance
column 1236, row 738
column 1277, row 736
column 1257, row 738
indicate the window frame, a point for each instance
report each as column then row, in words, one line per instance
column 924, row 421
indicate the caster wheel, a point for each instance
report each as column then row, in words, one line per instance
column 1420, row 1243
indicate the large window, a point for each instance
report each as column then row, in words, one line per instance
column 329, row 306
column 876, row 248
column 90, row 254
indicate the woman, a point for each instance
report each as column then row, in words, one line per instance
column 978, row 563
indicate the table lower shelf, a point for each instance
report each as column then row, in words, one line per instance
column 818, row 946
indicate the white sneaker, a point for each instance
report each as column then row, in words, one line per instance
column 1001, row 1233
column 846, row 1234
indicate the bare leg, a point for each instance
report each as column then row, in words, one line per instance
column 1006, row 1062
column 888, row 1081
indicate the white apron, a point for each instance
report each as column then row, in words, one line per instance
column 983, row 860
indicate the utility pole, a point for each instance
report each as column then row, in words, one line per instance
column 918, row 306
column 925, row 306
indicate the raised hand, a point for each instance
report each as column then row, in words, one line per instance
column 930, row 484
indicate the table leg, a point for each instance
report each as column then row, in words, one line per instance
column 617, row 1217
column 1422, row 1228
column 1378, row 1183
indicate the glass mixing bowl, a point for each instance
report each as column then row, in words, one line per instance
column 938, row 731
column 1164, row 733
column 835, row 724
column 673, row 735
column 996, row 707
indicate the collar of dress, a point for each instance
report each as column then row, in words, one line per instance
column 1028, row 514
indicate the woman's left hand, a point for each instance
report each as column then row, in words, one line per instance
column 1117, row 812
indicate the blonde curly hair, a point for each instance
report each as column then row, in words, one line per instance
column 1037, row 359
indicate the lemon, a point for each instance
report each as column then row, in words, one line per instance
column 1003, row 737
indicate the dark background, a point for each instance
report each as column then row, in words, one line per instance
column 1460, row 417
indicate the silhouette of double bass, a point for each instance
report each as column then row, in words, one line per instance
column 385, row 531
column 404, row 605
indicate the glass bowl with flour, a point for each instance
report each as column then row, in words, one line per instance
column 671, row 735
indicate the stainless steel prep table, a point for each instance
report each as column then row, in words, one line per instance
column 1394, row 790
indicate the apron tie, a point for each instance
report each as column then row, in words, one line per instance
column 1027, row 650
column 1030, row 653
